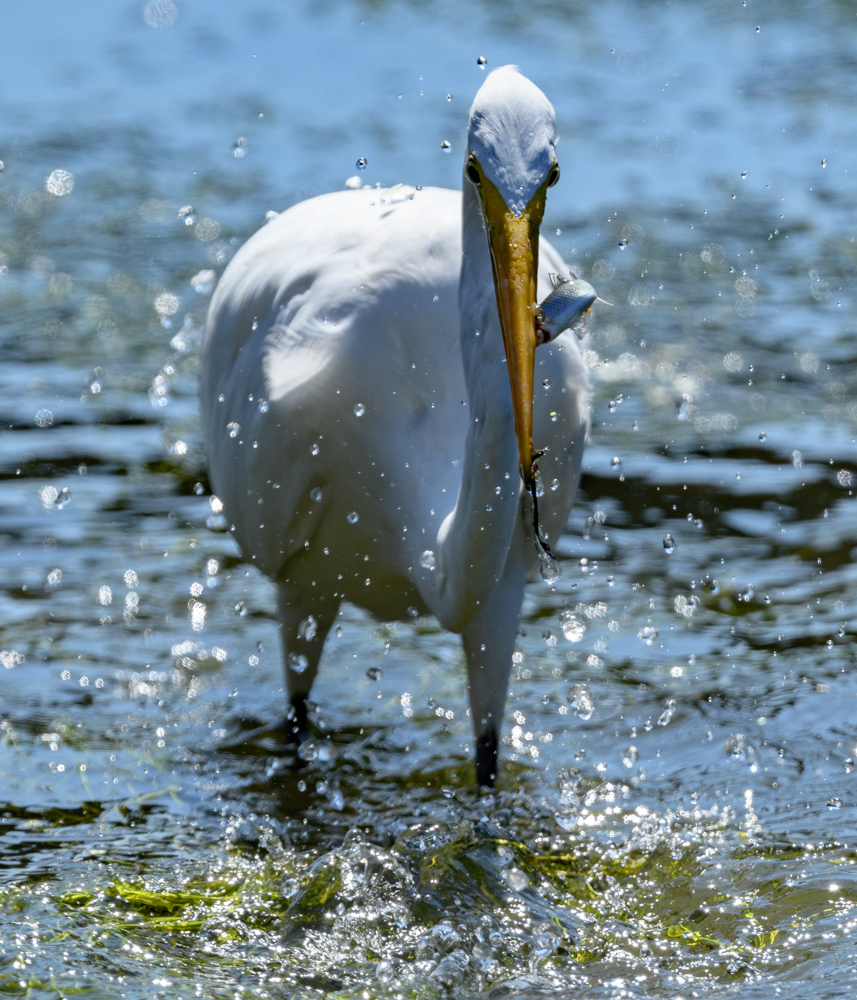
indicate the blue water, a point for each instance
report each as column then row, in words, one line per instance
column 688, row 833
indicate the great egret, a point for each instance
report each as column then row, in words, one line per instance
column 367, row 389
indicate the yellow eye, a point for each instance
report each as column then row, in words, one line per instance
column 553, row 176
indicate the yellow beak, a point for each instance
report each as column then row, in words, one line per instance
column 514, row 245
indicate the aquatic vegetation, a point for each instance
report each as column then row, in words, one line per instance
column 462, row 902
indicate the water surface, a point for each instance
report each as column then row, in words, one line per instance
column 676, row 812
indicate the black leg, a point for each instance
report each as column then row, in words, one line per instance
column 486, row 759
column 297, row 729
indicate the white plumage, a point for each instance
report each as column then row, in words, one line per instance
column 357, row 405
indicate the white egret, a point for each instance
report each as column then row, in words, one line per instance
column 367, row 389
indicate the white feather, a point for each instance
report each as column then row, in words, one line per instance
column 512, row 131
column 369, row 299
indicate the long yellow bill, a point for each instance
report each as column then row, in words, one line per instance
column 514, row 245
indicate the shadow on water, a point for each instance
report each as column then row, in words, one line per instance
column 676, row 811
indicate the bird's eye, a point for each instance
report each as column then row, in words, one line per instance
column 472, row 173
column 553, row 176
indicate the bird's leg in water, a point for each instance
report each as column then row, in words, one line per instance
column 489, row 641
column 305, row 620
column 297, row 729
column 486, row 759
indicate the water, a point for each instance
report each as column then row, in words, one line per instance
column 685, row 827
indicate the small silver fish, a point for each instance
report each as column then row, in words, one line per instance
column 566, row 308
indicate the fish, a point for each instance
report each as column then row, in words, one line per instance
column 565, row 308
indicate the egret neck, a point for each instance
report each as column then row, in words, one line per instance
column 474, row 540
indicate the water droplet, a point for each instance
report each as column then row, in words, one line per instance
column 233, row 429
column 316, row 494
column 745, row 174
column 763, row 436
column 362, row 163
column 848, row 765
column 667, row 713
column 553, row 416
column 446, row 146
column 683, row 407
column 239, row 147
column 669, row 544
column 374, row 673
column 481, row 62
column 549, row 568
column 647, row 634
column 540, row 486
column 739, row 747
column 516, row 879
column 314, row 450
column 546, row 383
column 428, row 560
column 572, row 627
column 747, row 594
column 308, row 629
column 353, row 517
column 160, row 13
column 62, row 498
column 616, row 462
column 630, row 755
column 555, row 484
column 823, row 164
column 359, row 410
column 297, row 662
column 449, row 97
column 59, row 183
column 834, row 803
column 712, row 587
column 580, row 699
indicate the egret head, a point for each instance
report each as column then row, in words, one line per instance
column 511, row 160
column 511, row 136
